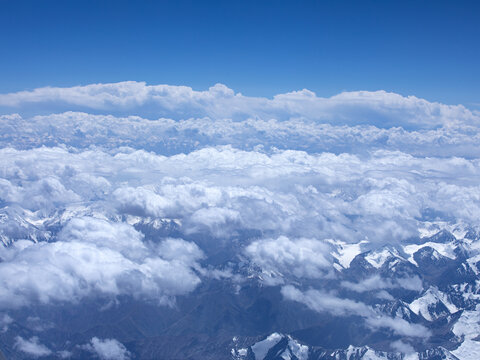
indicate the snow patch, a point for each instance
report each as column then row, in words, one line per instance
column 446, row 250
column 378, row 258
column 432, row 296
column 346, row 252
column 300, row 351
column 468, row 327
column 260, row 349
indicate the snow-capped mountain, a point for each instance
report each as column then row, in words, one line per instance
column 431, row 282
column 444, row 300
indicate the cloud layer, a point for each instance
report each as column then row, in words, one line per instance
column 292, row 193
column 293, row 200
column 93, row 257
column 167, row 136
column 129, row 190
column 137, row 98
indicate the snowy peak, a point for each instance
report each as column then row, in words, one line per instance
column 359, row 353
column 472, row 234
column 399, row 309
column 427, row 256
column 345, row 252
column 283, row 347
column 17, row 223
column 443, row 236
column 378, row 258
column 433, row 304
column 468, row 328
column 274, row 347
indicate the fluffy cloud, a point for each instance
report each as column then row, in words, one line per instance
column 166, row 136
column 141, row 201
column 304, row 258
column 380, row 107
column 93, row 257
column 382, row 196
column 107, row 349
column 32, row 347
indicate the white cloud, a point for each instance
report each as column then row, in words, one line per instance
column 402, row 347
column 360, row 107
column 120, row 237
column 141, row 201
column 5, row 321
column 304, row 258
column 167, row 136
column 214, row 219
column 321, row 301
column 107, row 349
column 94, row 257
column 32, row 347
column 376, row 283
column 378, row 196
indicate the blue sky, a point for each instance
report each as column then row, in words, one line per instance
column 260, row 48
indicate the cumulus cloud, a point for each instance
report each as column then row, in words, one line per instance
column 32, row 347
column 321, row 301
column 379, row 107
column 167, row 136
column 94, row 257
column 304, row 258
column 107, row 349
column 141, row 201
column 288, row 193
column 291, row 197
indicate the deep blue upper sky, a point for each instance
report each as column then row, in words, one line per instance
column 430, row 49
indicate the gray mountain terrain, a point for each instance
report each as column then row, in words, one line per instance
column 228, row 318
